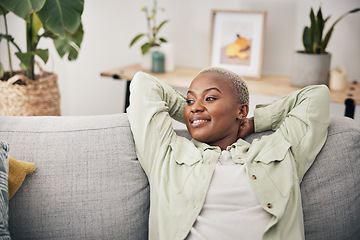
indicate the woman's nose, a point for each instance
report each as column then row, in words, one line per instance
column 197, row 107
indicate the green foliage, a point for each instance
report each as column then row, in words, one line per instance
column 59, row 20
column 23, row 8
column 313, row 39
column 153, row 30
column 70, row 43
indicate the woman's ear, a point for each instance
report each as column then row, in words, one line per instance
column 243, row 111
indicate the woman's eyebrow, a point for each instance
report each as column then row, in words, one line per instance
column 213, row 88
column 206, row 90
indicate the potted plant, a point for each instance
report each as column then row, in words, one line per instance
column 152, row 35
column 312, row 65
column 58, row 20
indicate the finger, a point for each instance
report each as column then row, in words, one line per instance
column 244, row 122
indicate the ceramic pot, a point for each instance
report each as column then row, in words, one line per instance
column 166, row 49
column 310, row 69
column 146, row 62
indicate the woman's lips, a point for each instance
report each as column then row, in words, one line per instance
column 199, row 122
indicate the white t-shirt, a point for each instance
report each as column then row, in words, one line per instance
column 231, row 209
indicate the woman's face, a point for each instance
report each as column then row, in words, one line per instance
column 212, row 111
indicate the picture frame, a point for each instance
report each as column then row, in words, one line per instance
column 237, row 41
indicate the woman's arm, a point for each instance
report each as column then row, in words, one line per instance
column 152, row 104
column 302, row 118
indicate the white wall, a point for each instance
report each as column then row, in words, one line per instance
column 110, row 25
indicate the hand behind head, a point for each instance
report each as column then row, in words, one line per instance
column 246, row 128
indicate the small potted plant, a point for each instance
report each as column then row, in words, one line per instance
column 153, row 40
column 24, row 92
column 312, row 65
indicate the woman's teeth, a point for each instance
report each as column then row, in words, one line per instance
column 199, row 121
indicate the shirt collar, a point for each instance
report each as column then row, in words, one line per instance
column 241, row 143
column 203, row 146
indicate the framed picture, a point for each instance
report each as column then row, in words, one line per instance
column 237, row 41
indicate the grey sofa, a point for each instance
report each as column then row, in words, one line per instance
column 89, row 185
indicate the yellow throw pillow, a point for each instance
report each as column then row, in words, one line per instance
column 17, row 173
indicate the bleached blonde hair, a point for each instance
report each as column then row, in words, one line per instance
column 241, row 89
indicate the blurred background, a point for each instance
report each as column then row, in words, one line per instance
column 110, row 25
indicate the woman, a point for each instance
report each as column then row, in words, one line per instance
column 218, row 186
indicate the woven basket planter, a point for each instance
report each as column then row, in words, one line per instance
column 20, row 96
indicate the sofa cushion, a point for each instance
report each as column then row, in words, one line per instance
column 88, row 183
column 17, row 173
column 330, row 190
column 4, row 199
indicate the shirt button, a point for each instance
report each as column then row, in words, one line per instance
column 269, row 205
column 254, row 177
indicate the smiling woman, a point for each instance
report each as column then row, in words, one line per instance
column 212, row 114
column 218, row 186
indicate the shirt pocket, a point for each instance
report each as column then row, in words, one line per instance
column 184, row 157
column 184, row 152
column 274, row 150
column 275, row 159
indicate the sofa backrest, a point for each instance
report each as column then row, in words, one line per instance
column 88, row 183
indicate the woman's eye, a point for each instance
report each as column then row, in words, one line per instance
column 210, row 99
column 188, row 101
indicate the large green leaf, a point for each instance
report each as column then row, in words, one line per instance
column 23, row 8
column 61, row 16
column 73, row 53
column 69, row 44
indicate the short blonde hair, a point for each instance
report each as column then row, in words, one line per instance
column 241, row 89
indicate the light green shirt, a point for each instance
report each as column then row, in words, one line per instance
column 180, row 170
